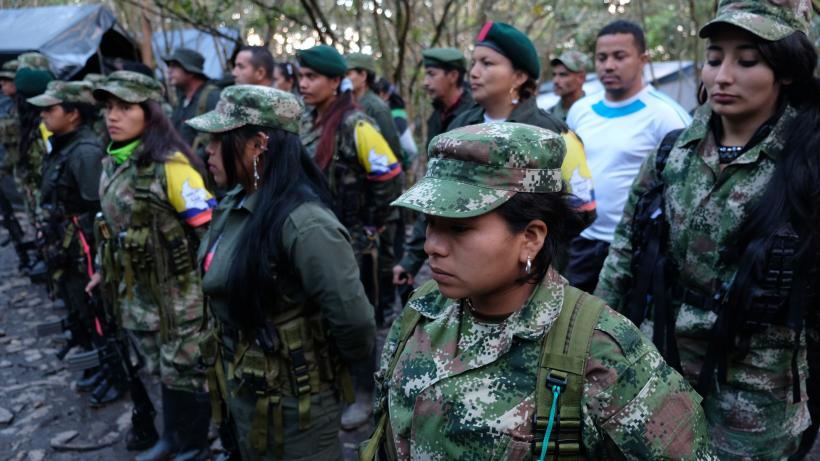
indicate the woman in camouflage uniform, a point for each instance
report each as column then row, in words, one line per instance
column 497, row 334
column 740, row 202
column 155, row 209
column 289, row 311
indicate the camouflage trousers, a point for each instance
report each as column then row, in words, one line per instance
column 175, row 362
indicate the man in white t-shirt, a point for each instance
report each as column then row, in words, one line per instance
column 619, row 129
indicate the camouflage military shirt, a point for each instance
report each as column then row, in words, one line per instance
column 10, row 138
column 464, row 390
column 358, row 202
column 752, row 415
column 182, row 300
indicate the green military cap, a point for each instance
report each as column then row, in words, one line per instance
column 59, row 91
column 190, row 60
column 768, row 19
column 474, row 169
column 574, row 61
column 361, row 61
column 32, row 61
column 241, row 105
column 8, row 70
column 94, row 79
column 31, row 82
column 513, row 44
column 324, row 60
column 449, row 58
column 129, row 86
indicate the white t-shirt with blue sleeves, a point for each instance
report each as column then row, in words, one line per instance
column 617, row 137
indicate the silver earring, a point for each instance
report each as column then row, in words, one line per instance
column 529, row 265
column 256, row 173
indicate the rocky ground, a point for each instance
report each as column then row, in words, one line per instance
column 42, row 416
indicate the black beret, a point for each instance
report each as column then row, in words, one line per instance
column 513, row 44
column 324, row 60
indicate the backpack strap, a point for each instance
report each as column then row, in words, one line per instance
column 561, row 376
column 410, row 319
column 667, row 144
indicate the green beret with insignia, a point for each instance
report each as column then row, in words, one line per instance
column 129, row 86
column 475, row 169
column 33, row 61
column 445, row 58
column 59, row 92
column 323, row 59
column 513, row 44
column 8, row 70
column 574, row 61
column 361, row 61
column 191, row 60
column 767, row 19
column 241, row 105
column 31, row 82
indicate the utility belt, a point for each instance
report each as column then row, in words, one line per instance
column 288, row 357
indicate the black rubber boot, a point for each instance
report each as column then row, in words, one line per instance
column 167, row 445
column 142, row 435
column 109, row 390
column 195, row 407
column 90, row 380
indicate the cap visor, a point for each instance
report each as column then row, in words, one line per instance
column 44, row 100
column 763, row 27
column 213, row 122
column 101, row 94
column 452, row 199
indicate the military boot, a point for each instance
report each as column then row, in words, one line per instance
column 142, row 435
column 109, row 390
column 167, row 444
column 90, row 380
column 195, row 407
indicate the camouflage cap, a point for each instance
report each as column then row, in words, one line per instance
column 361, row 61
column 241, row 105
column 59, row 91
column 94, row 79
column 8, row 70
column 129, row 86
column 474, row 169
column 768, row 19
column 190, row 60
column 574, row 61
column 32, row 61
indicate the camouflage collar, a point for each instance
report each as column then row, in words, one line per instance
column 771, row 145
column 530, row 322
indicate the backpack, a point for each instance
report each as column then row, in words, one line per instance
column 559, row 379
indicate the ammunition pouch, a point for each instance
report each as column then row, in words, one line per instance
column 290, row 356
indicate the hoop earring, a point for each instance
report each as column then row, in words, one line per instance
column 512, row 97
column 528, row 269
column 256, row 173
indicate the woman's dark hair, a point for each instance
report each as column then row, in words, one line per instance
column 88, row 113
column 289, row 179
column 394, row 99
column 528, row 89
column 793, row 193
column 29, row 116
column 160, row 139
column 554, row 210
column 291, row 73
column 330, row 122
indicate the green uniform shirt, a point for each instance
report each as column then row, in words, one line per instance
column 558, row 111
column 195, row 107
column 752, row 415
column 321, row 269
column 463, row 389
column 441, row 118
